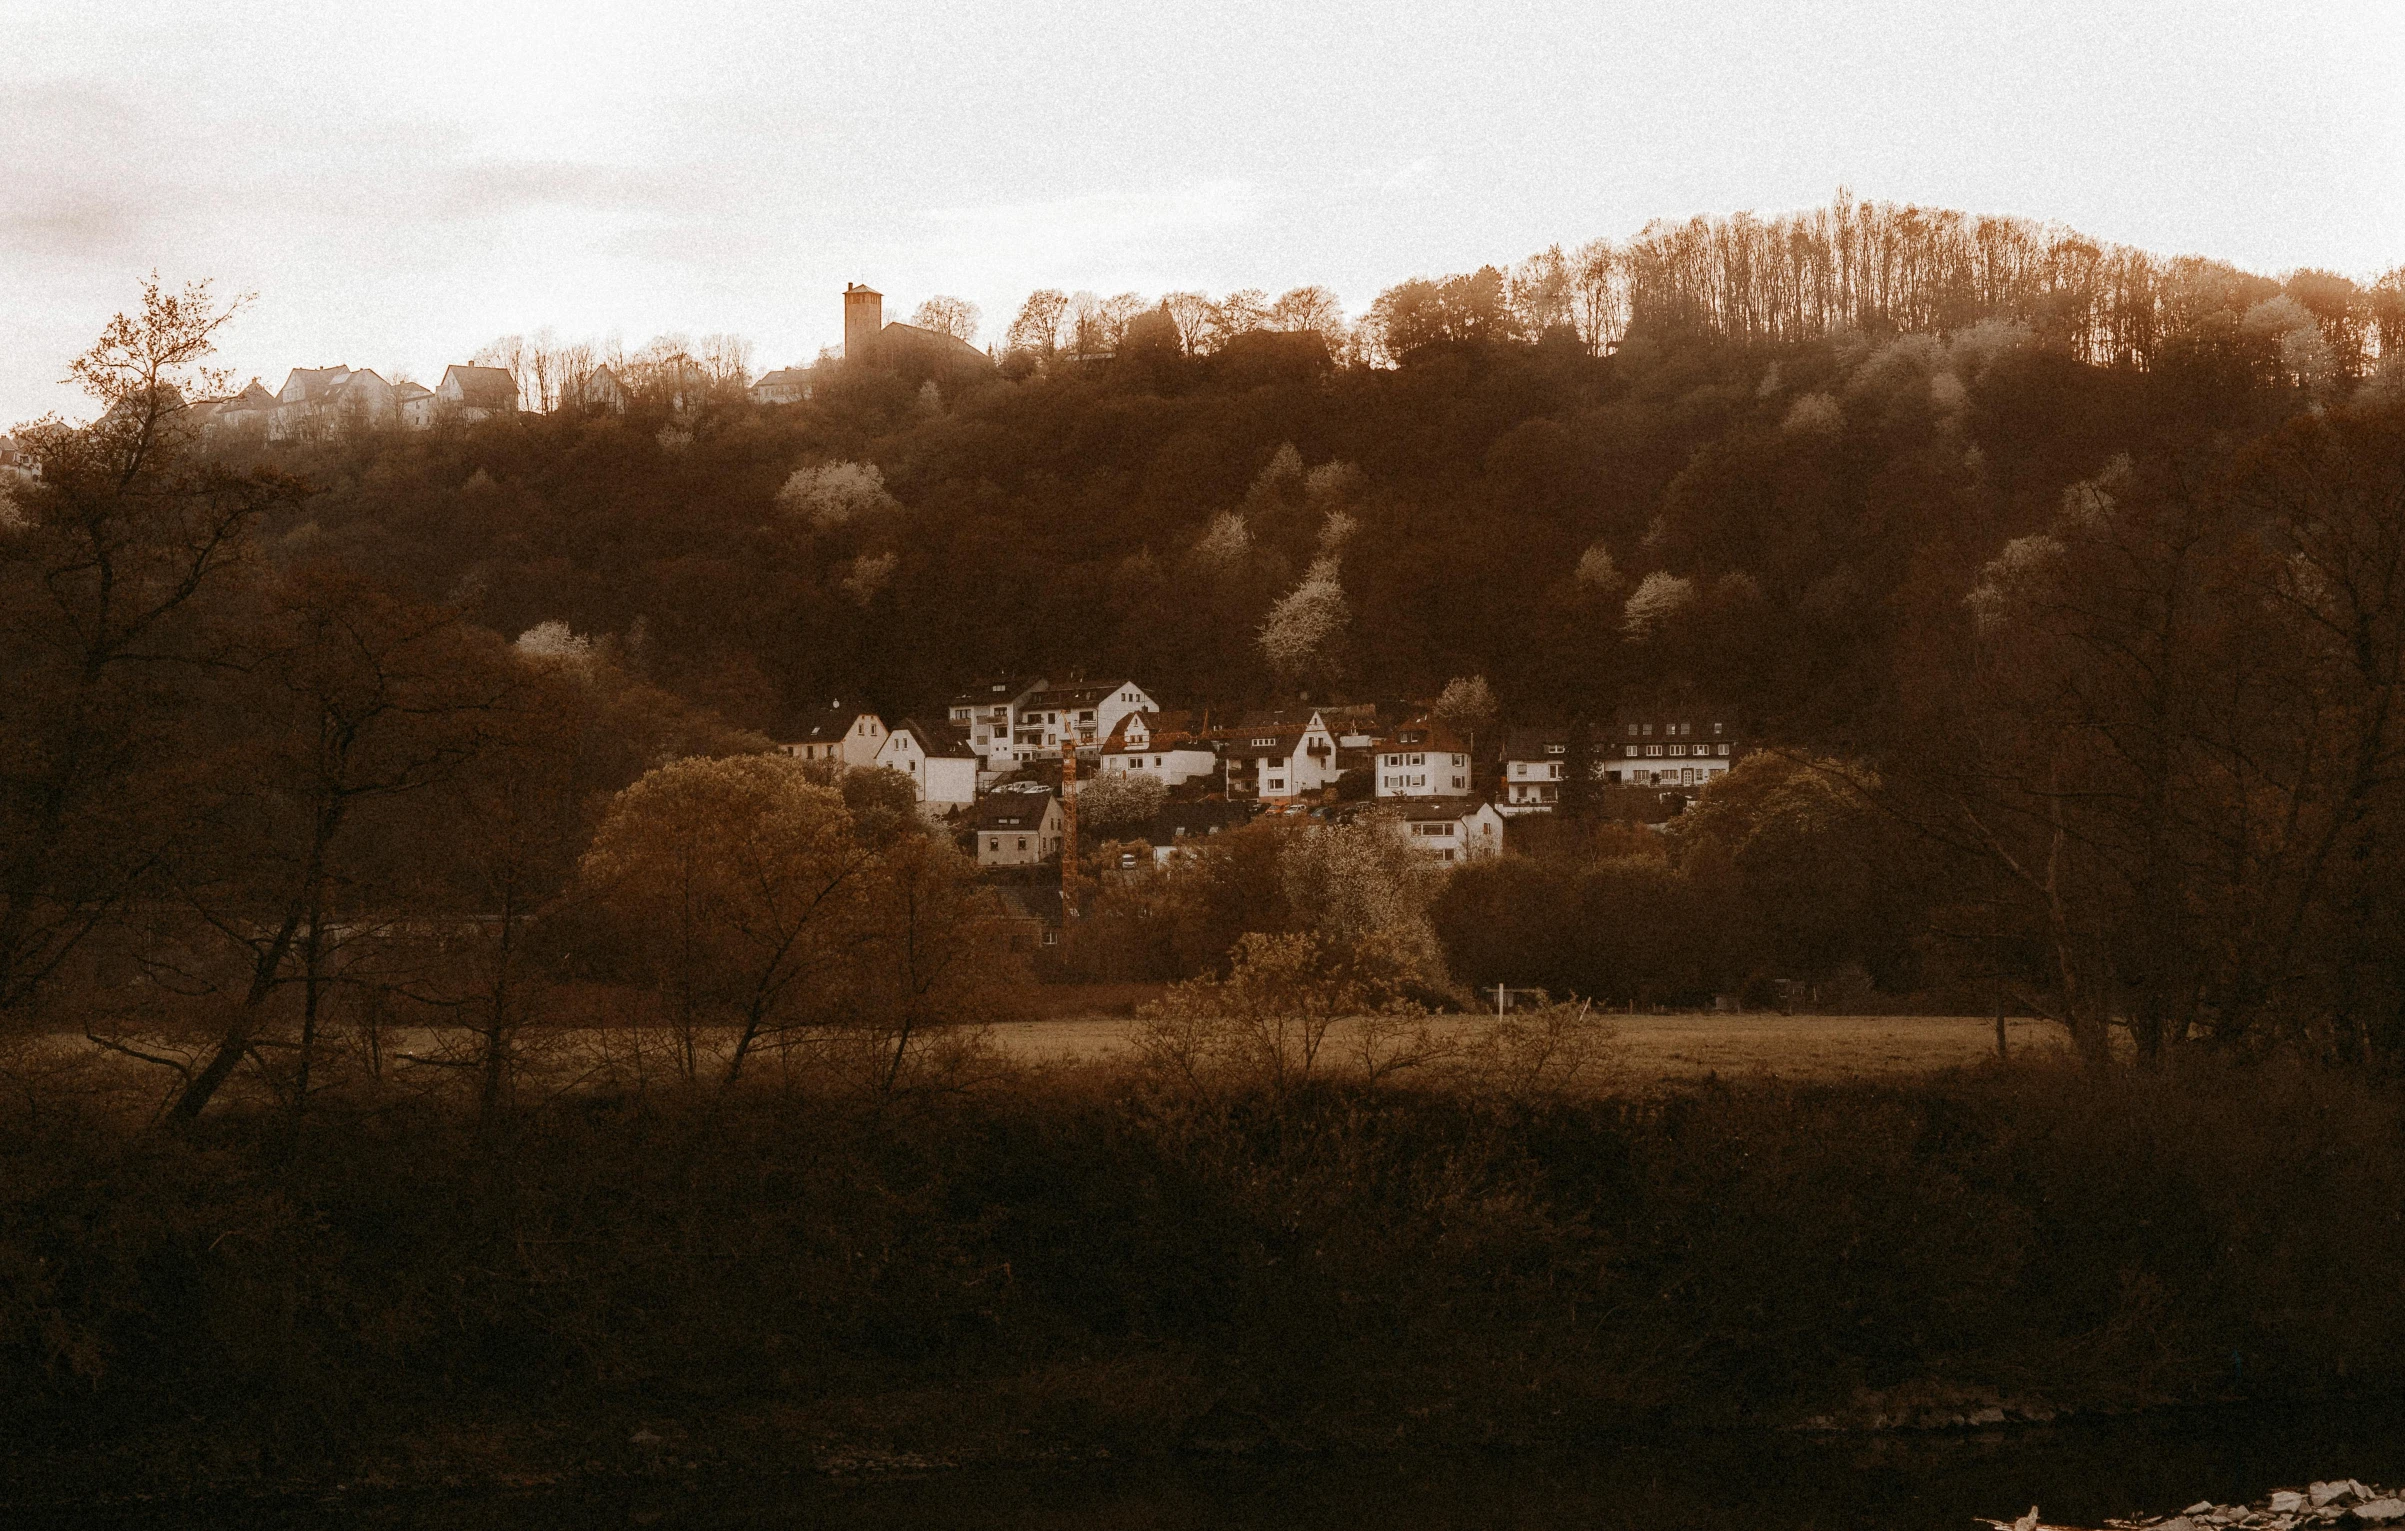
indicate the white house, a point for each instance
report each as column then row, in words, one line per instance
column 786, row 385
column 851, row 736
column 986, row 714
column 1011, row 722
column 1670, row 749
column 941, row 767
column 1076, row 709
column 415, row 404
column 320, row 398
column 1159, row 745
column 1449, row 829
column 1017, row 828
column 1422, row 760
column 1287, row 762
column 476, row 393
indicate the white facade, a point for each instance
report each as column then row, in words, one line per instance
column 1018, row 828
column 1451, row 830
column 850, row 738
column 1669, row 752
column 1290, row 762
column 1422, row 762
column 941, row 773
column 1137, row 745
column 1011, row 723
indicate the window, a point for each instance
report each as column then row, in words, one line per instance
column 1022, row 842
column 1267, row 742
column 1419, row 760
column 1678, row 749
column 1632, row 752
column 1653, row 749
column 1448, row 853
column 1457, row 784
column 1716, row 730
column 994, row 843
column 1554, row 771
column 1555, row 749
column 1724, row 749
column 1649, row 730
column 1052, row 938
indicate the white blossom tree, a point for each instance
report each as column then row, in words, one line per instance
column 831, row 493
column 1300, row 638
column 1658, row 597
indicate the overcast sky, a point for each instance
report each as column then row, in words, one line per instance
column 400, row 184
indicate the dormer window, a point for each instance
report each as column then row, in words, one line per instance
column 1556, row 749
column 1266, row 743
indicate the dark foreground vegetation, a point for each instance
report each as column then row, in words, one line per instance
column 803, row 1279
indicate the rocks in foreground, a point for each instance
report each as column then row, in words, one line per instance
column 2343, row 1502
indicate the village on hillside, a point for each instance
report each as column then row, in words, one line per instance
column 1008, row 764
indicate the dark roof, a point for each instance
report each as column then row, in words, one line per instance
column 1187, row 821
column 1013, row 810
column 993, row 689
column 1529, row 743
column 828, row 723
column 1425, row 809
column 936, row 741
column 485, row 387
column 1422, row 734
column 1077, row 694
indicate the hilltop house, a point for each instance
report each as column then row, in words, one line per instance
column 869, row 339
column 1422, row 760
column 1017, row 828
column 941, row 766
column 1670, row 749
column 849, row 736
column 786, row 385
column 601, row 388
column 319, row 398
column 476, row 393
column 1449, row 829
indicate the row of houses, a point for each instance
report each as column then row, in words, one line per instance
column 323, row 399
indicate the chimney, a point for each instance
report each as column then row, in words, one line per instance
column 863, row 318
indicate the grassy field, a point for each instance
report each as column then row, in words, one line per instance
column 1666, row 1048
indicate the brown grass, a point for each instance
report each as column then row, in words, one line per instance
column 1668, row 1048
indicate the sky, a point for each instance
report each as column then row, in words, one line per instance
column 399, row 185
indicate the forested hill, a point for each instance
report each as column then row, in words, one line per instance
column 1775, row 523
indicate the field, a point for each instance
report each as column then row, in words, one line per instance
column 1667, row 1048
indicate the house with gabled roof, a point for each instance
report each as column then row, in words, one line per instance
column 986, row 713
column 321, row 398
column 840, row 735
column 1447, row 829
column 476, row 393
column 1287, row 761
column 1159, row 744
column 939, row 764
column 1016, row 828
column 1422, row 759
column 786, row 385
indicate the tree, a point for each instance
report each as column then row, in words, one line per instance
column 119, row 584
column 1301, row 637
column 1037, row 329
column 956, row 317
column 1467, row 706
column 360, row 699
column 741, row 880
column 1121, row 800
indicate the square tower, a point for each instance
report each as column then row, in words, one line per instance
column 863, row 318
